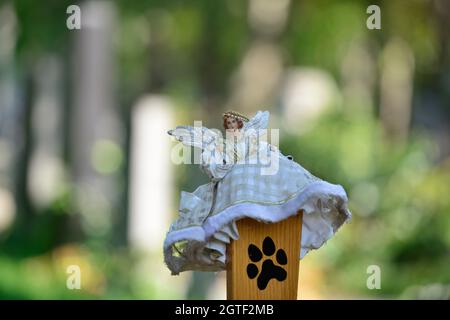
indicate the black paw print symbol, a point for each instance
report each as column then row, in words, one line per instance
column 268, row 270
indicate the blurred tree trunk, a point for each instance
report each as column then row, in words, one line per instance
column 96, row 131
column 24, row 145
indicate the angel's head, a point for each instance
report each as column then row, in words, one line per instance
column 233, row 120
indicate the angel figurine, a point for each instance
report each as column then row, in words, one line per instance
column 249, row 178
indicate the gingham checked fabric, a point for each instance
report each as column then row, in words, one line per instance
column 245, row 182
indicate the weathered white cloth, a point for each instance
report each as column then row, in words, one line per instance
column 261, row 183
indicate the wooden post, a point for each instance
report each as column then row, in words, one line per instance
column 264, row 261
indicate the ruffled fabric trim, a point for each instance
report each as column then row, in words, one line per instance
column 324, row 208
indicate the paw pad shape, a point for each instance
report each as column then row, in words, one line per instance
column 268, row 270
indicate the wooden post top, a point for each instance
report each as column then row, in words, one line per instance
column 264, row 262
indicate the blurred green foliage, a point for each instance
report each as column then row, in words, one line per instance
column 398, row 191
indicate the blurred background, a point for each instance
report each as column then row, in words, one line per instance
column 86, row 176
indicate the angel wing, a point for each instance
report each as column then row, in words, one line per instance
column 257, row 125
column 199, row 137
column 259, row 121
column 211, row 143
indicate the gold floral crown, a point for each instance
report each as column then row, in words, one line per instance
column 236, row 115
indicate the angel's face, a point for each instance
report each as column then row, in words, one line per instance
column 232, row 123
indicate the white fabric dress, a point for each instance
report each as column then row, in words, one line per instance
column 249, row 178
